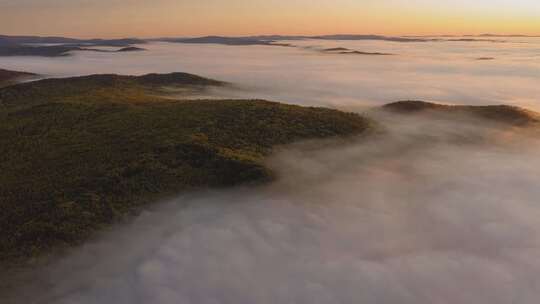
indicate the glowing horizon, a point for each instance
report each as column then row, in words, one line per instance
column 137, row 18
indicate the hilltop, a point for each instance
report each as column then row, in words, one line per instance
column 273, row 39
column 496, row 113
column 20, row 40
column 131, row 49
column 77, row 154
column 105, row 88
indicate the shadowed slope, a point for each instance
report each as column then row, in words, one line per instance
column 10, row 77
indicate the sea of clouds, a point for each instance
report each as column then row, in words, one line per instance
column 429, row 211
column 446, row 71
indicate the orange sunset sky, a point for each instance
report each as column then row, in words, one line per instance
column 157, row 18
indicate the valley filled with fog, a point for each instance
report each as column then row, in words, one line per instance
column 427, row 211
column 439, row 71
column 412, row 216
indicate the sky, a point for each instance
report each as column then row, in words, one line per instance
column 157, row 18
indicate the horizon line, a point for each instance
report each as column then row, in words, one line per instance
column 264, row 35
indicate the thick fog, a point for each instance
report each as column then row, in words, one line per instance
column 428, row 212
column 437, row 71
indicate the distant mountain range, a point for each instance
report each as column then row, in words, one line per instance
column 62, row 46
column 4, row 40
column 273, row 39
column 220, row 40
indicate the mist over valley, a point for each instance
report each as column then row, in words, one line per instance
column 286, row 171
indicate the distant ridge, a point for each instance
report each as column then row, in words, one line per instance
column 275, row 39
column 272, row 39
column 60, row 46
column 219, row 40
column 367, row 37
column 37, row 45
column 499, row 113
column 4, row 39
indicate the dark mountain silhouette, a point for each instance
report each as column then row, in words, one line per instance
column 346, row 51
column 337, row 49
column 271, row 39
column 62, row 40
column 43, row 51
column 365, row 53
column 56, row 50
column 367, row 37
column 131, row 49
column 220, row 40
column 59, row 46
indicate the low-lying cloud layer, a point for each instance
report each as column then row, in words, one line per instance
column 430, row 212
column 433, row 71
